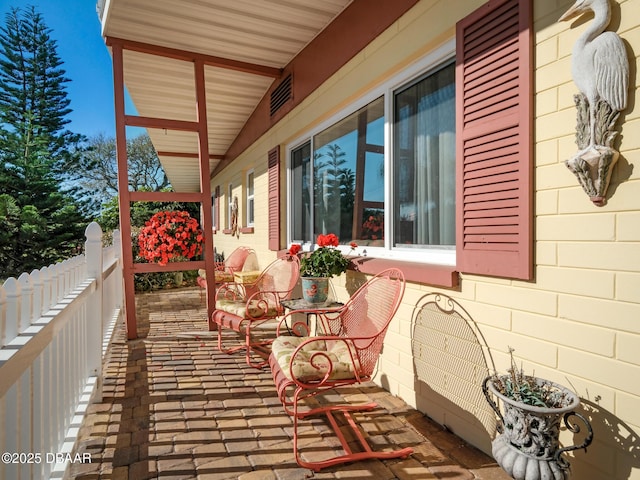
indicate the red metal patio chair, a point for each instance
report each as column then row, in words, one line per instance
column 344, row 353
column 244, row 306
column 242, row 258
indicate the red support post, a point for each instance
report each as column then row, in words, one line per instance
column 124, row 195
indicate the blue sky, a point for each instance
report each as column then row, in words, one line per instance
column 87, row 62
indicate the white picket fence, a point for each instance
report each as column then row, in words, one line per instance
column 55, row 325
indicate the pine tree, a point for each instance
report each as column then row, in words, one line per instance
column 36, row 150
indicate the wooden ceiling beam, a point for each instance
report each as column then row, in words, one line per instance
column 161, row 123
column 188, row 155
column 184, row 55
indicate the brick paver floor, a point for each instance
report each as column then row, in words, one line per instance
column 174, row 407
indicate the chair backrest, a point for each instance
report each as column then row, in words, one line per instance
column 236, row 260
column 367, row 314
column 251, row 262
column 280, row 277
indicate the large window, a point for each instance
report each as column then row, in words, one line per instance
column 342, row 190
column 230, row 207
column 342, row 183
column 250, row 199
column 214, row 208
column 301, row 181
column 471, row 153
column 424, row 162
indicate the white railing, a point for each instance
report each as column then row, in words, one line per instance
column 55, row 324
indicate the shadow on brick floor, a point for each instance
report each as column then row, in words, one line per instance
column 174, row 407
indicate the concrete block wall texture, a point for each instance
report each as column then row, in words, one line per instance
column 578, row 321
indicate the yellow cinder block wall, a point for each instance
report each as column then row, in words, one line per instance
column 578, row 322
column 236, row 175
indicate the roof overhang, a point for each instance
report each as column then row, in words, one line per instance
column 244, row 45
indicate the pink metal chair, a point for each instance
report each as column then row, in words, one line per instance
column 345, row 352
column 244, row 306
column 224, row 271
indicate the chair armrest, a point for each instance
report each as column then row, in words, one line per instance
column 230, row 291
column 264, row 304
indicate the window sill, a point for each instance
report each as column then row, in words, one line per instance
column 414, row 272
column 445, row 276
column 228, row 231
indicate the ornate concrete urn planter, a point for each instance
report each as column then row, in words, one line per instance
column 527, row 447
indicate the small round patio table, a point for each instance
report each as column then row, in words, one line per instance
column 310, row 309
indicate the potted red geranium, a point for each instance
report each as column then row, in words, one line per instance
column 319, row 266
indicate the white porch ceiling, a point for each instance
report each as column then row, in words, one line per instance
column 262, row 32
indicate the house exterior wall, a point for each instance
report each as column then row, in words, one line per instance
column 224, row 241
column 578, row 321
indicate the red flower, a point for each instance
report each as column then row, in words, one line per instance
column 353, row 245
column 329, row 240
column 326, row 260
column 170, row 235
column 294, row 249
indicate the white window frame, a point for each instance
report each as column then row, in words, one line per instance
column 294, row 146
column 250, row 198
column 431, row 255
column 214, row 214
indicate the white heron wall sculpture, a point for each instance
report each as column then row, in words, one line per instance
column 600, row 69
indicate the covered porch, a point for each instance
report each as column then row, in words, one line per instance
column 207, row 82
column 175, row 407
